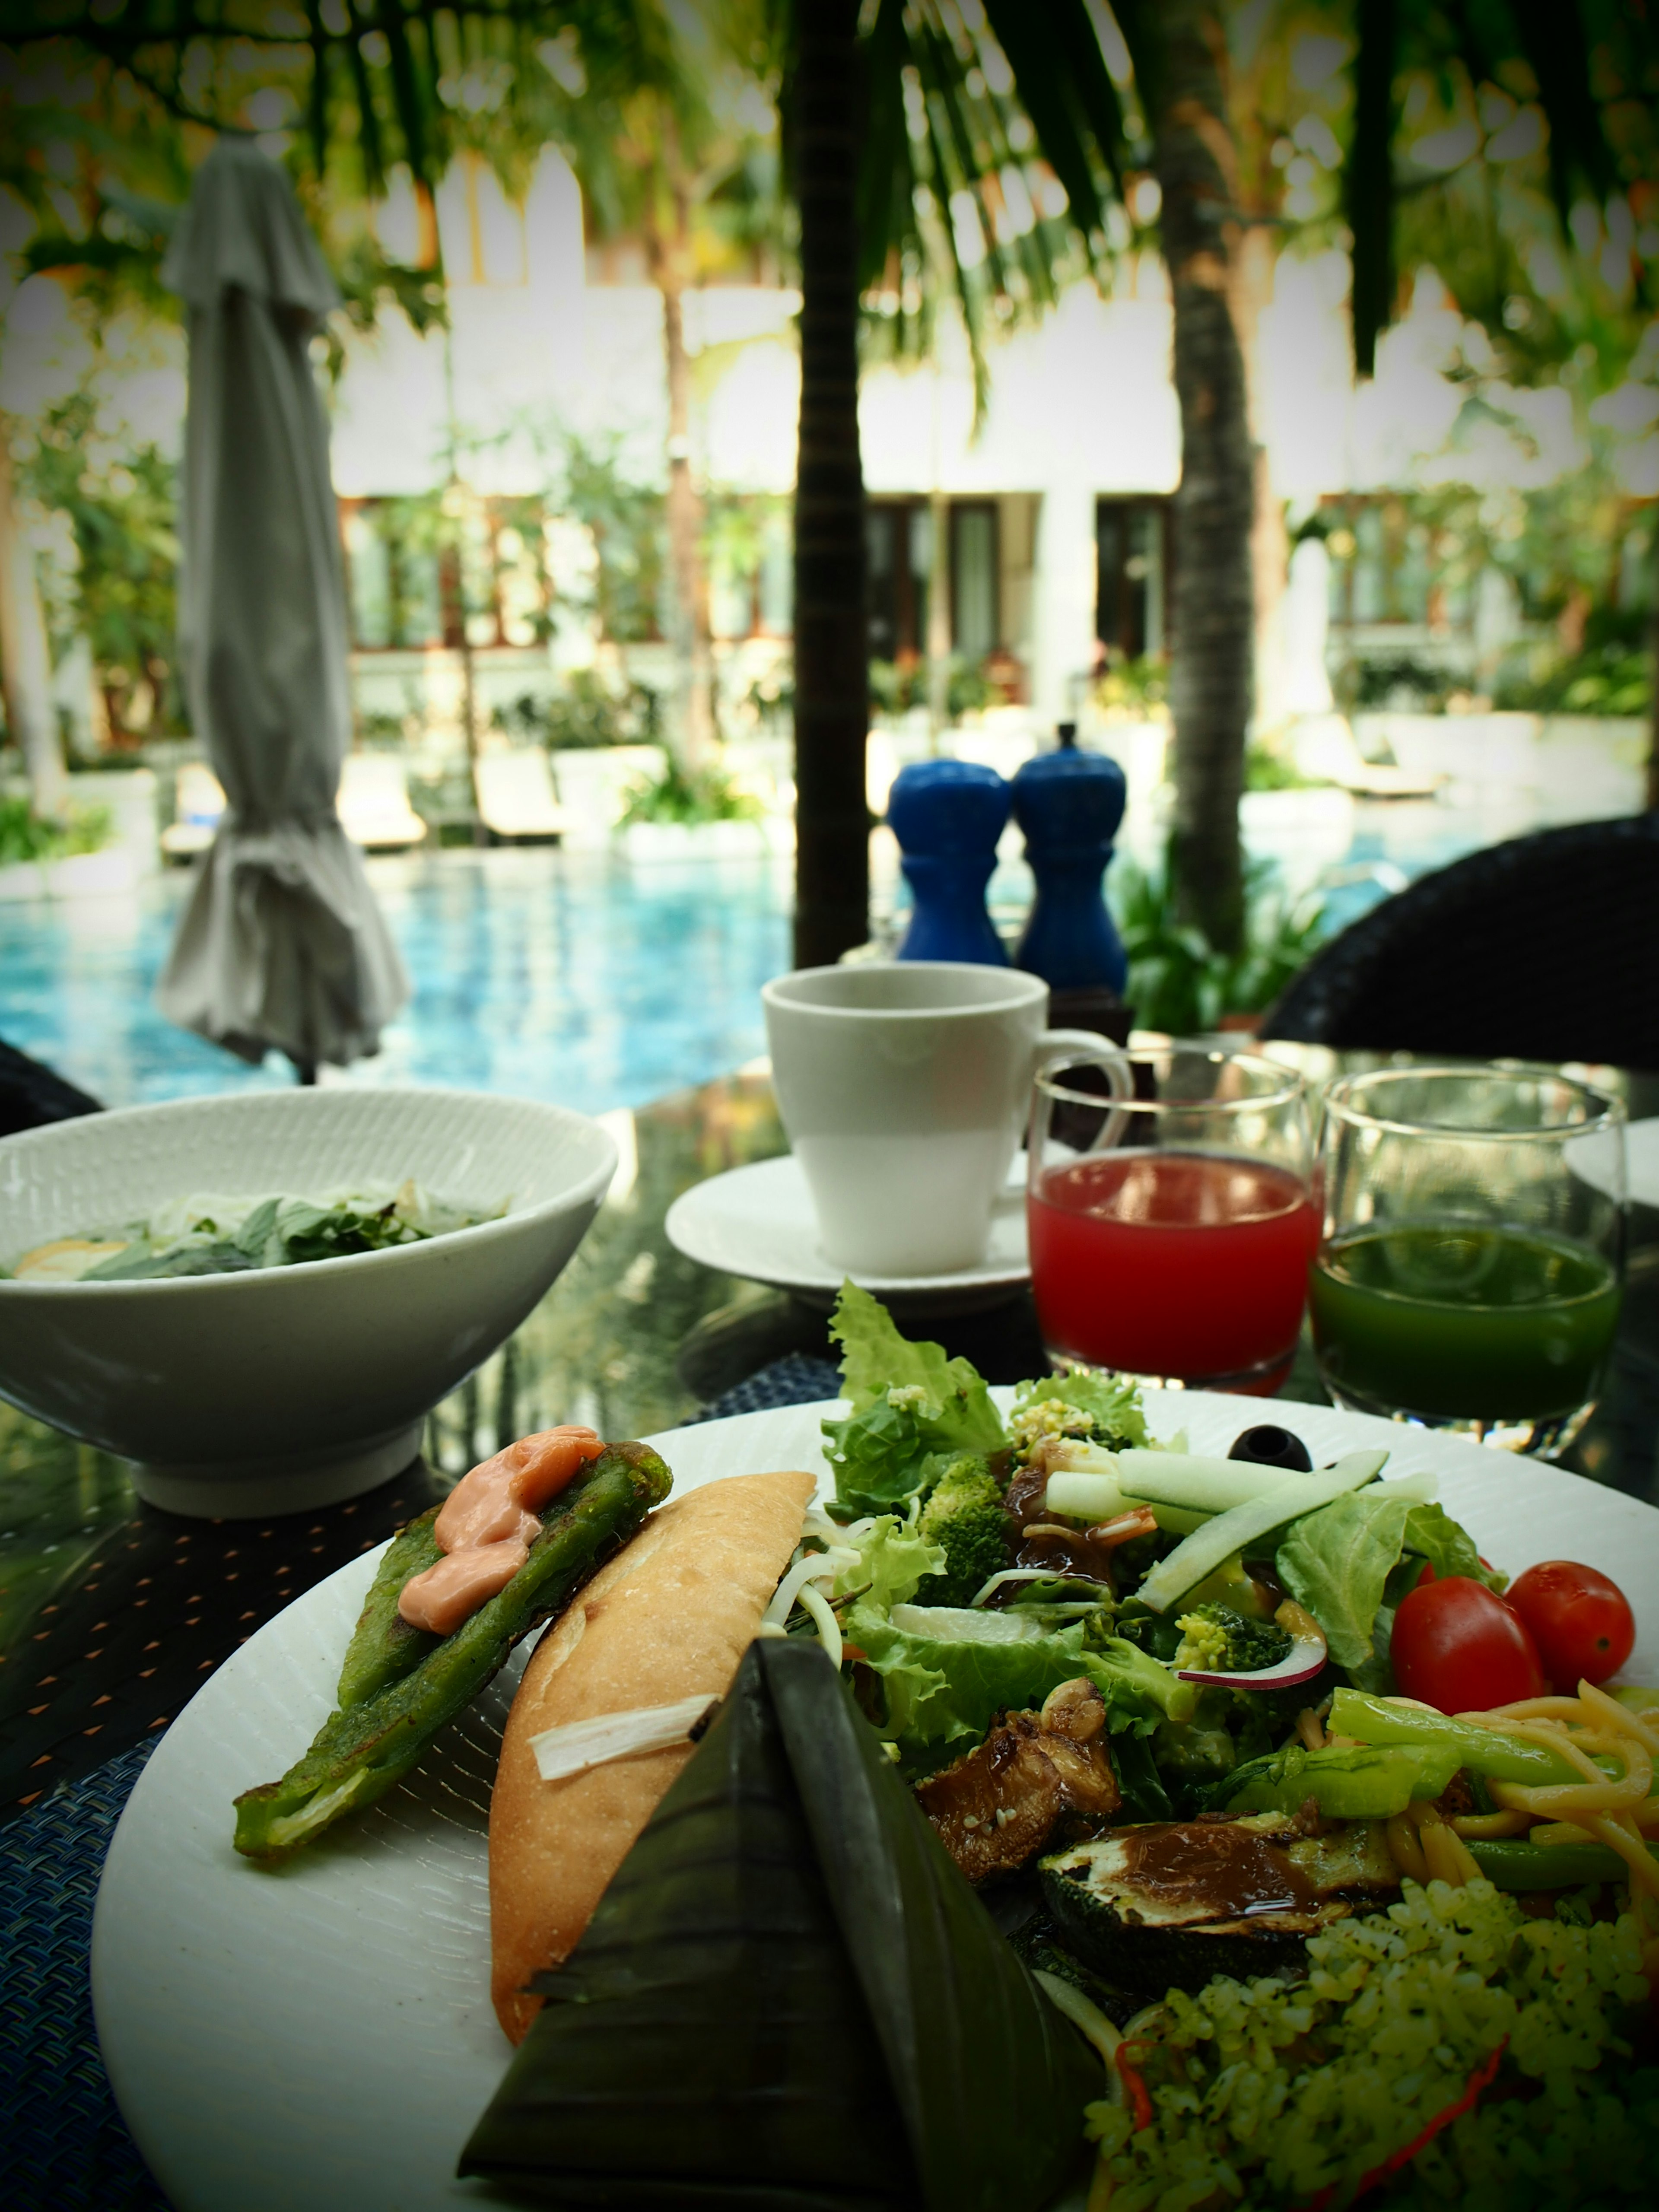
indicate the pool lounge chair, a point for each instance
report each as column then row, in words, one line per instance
column 1324, row 746
column 516, row 796
column 199, row 803
column 373, row 802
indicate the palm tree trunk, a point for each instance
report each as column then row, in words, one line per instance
column 1214, row 504
column 693, row 654
column 1251, row 292
column 26, row 657
column 692, row 725
column 832, row 831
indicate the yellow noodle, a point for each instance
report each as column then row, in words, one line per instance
column 1310, row 1728
column 1530, row 1709
column 1440, row 1848
column 1485, row 1827
column 1619, row 1717
column 1404, row 1849
column 1597, row 1793
column 1469, row 1867
column 1644, row 1868
column 1561, row 1832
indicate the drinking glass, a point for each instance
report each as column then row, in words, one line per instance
column 1471, row 1253
column 1171, row 1225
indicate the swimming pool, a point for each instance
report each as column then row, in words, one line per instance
column 549, row 975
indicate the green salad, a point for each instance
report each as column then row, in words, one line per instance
column 214, row 1233
column 1330, row 1942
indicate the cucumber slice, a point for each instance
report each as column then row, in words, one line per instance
column 1218, row 1539
column 1099, row 1497
column 1202, row 1484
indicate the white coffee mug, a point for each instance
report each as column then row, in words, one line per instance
column 903, row 1087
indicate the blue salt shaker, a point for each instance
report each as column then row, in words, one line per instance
column 947, row 816
column 1069, row 805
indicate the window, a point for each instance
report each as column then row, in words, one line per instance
column 974, row 628
column 899, row 554
column 1131, row 547
column 418, row 575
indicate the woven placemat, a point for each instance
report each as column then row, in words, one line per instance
column 796, row 1380
column 64, row 2147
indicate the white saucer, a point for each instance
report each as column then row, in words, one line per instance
column 758, row 1222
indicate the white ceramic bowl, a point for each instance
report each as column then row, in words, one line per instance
column 284, row 1388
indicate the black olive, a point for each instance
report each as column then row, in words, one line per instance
column 1270, row 1446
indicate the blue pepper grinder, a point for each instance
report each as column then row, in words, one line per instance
column 1069, row 805
column 947, row 816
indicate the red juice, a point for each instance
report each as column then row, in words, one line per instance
column 1185, row 1264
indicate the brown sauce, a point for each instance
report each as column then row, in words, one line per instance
column 1233, row 1870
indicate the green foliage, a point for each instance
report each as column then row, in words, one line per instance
column 585, row 715
column 691, row 798
column 628, row 521
column 122, row 595
column 964, row 1516
column 1604, row 679
column 1132, row 684
column 1268, row 769
column 1379, row 682
column 897, row 686
column 1178, row 982
column 25, row 837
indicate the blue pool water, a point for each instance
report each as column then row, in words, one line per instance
column 547, row 974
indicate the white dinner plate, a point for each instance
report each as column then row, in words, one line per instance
column 323, row 2037
column 758, row 1222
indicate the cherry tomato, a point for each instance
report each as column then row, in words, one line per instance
column 1580, row 1621
column 1458, row 1647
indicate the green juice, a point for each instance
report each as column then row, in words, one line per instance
column 1463, row 1321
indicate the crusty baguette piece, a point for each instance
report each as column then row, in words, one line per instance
column 669, row 1618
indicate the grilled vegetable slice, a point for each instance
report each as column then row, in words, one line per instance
column 1174, row 1902
column 384, row 1720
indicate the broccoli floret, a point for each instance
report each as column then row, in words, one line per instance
column 964, row 1516
column 1215, row 1640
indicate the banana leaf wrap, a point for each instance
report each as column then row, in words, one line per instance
column 386, row 1718
column 789, row 1999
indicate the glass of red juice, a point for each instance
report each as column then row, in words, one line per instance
column 1171, row 1217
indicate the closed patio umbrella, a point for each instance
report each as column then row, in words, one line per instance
column 282, row 943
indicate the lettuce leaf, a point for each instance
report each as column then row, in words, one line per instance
column 1449, row 1549
column 1112, row 1402
column 1336, row 1562
column 1346, row 1564
column 907, row 1399
column 943, row 1691
column 893, row 1563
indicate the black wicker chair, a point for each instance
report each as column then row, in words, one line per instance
column 31, row 1094
column 1545, row 948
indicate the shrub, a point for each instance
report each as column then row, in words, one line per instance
column 25, row 837
column 706, row 794
column 1178, row 982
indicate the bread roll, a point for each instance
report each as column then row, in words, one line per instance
column 669, row 1618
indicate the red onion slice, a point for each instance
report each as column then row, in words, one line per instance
column 1306, row 1656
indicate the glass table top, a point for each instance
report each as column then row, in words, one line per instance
column 112, row 1612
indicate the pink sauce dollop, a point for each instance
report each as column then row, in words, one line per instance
column 487, row 1524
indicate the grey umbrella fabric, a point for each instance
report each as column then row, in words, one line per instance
column 282, row 943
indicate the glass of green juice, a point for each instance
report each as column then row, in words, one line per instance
column 1471, row 1256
